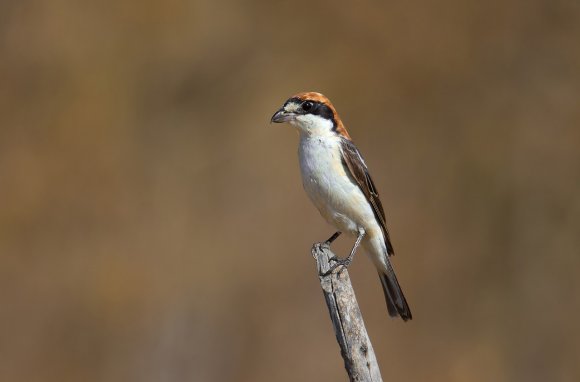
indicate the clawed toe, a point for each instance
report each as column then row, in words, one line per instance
column 338, row 263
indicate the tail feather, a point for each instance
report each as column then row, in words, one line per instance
column 396, row 302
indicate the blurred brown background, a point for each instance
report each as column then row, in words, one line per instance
column 153, row 225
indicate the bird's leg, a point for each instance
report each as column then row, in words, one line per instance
column 346, row 262
column 332, row 238
column 327, row 243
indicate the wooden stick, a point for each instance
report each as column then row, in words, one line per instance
column 355, row 346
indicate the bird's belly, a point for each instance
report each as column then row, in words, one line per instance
column 339, row 200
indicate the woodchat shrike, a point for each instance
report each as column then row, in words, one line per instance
column 337, row 180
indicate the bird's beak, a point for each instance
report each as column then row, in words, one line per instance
column 282, row 116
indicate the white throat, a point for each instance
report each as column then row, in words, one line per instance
column 314, row 126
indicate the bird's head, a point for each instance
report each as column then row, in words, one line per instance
column 313, row 114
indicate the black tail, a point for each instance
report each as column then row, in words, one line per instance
column 396, row 302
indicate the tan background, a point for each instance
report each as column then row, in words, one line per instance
column 153, row 226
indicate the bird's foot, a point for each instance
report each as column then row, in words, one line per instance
column 338, row 262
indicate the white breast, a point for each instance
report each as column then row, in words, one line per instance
column 337, row 197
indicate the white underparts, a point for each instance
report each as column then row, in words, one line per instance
column 339, row 200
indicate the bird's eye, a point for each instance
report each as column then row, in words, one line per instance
column 307, row 106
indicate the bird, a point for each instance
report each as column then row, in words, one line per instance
column 337, row 181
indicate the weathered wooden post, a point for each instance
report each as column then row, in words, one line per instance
column 355, row 346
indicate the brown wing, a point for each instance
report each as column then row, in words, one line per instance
column 357, row 169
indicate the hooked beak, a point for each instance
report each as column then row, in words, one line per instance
column 282, row 116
